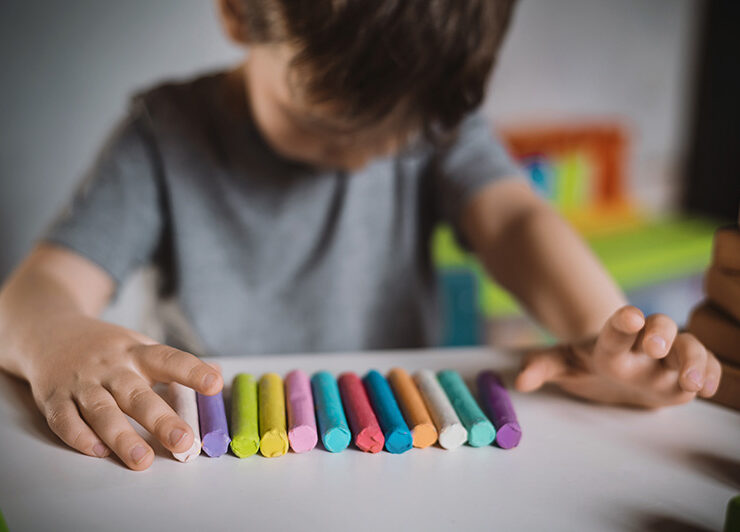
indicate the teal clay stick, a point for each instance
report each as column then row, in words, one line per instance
column 333, row 427
column 245, row 436
column 480, row 430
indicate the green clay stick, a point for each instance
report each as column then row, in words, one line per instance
column 480, row 430
column 245, row 437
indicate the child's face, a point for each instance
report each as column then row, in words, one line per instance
column 307, row 132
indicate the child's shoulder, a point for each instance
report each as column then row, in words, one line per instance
column 196, row 95
column 180, row 88
column 188, row 106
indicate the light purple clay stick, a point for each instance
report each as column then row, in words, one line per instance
column 497, row 405
column 214, row 430
column 301, row 417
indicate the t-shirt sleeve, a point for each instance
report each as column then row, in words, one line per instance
column 473, row 160
column 115, row 219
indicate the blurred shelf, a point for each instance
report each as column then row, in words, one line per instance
column 637, row 255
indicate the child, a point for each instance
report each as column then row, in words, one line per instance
column 288, row 205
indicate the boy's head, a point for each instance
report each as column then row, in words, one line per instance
column 335, row 83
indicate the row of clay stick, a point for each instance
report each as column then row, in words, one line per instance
column 397, row 413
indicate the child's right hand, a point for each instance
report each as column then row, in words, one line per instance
column 94, row 372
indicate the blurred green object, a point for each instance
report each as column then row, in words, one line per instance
column 3, row 524
column 732, row 518
column 636, row 257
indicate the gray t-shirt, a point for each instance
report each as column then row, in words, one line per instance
column 264, row 255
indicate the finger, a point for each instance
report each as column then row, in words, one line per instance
column 689, row 357
column 101, row 412
column 726, row 254
column 65, row 421
column 723, row 289
column 716, row 330
column 713, row 374
column 137, row 399
column 614, row 344
column 540, row 367
column 167, row 364
column 657, row 335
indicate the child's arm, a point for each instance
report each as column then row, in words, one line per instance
column 85, row 373
column 528, row 248
column 614, row 354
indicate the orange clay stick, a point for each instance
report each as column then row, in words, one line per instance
column 413, row 408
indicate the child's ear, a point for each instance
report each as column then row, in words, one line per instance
column 233, row 17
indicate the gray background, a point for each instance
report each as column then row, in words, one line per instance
column 68, row 68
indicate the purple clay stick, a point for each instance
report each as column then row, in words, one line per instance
column 498, row 406
column 214, row 431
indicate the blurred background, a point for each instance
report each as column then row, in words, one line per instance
column 624, row 115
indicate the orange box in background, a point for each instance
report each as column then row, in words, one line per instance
column 581, row 169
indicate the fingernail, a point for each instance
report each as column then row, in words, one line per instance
column 138, row 453
column 710, row 385
column 634, row 320
column 694, row 377
column 176, row 436
column 100, row 450
column 659, row 344
column 209, row 380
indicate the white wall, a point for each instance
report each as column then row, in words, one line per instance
column 631, row 60
column 68, row 67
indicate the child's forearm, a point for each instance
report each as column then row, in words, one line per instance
column 554, row 275
column 50, row 284
column 533, row 253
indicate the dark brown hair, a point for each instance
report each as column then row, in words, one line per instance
column 428, row 59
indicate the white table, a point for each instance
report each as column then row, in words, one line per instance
column 579, row 467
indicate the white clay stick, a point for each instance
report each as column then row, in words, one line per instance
column 452, row 433
column 183, row 401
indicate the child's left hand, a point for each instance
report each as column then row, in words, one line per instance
column 634, row 360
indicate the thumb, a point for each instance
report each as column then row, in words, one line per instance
column 541, row 366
